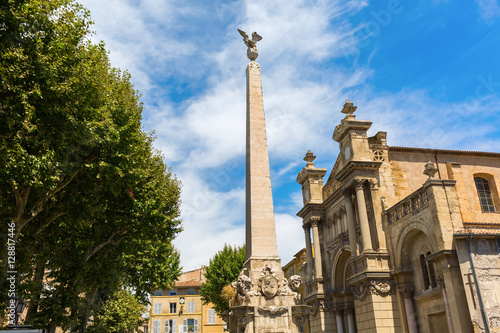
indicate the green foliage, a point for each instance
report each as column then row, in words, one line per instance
column 224, row 269
column 94, row 205
column 122, row 313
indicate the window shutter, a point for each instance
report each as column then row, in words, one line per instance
column 156, row 326
column 196, row 325
column 190, row 307
column 174, row 323
column 167, row 326
column 185, row 325
column 157, row 308
column 211, row 316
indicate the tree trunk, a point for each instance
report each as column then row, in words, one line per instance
column 88, row 310
column 35, row 299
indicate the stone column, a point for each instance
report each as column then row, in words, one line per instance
column 307, row 231
column 440, row 280
column 350, row 320
column 407, row 294
column 363, row 216
column 351, row 224
column 317, row 248
column 338, row 317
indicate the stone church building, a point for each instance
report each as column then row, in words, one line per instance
column 401, row 239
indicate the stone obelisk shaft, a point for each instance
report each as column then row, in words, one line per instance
column 260, row 227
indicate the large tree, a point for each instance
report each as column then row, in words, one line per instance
column 94, row 206
column 224, row 268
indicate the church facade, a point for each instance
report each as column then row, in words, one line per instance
column 404, row 239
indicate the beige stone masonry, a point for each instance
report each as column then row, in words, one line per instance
column 260, row 225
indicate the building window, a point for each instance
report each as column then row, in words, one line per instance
column 173, row 307
column 211, row 316
column 156, row 326
column 484, row 194
column 190, row 325
column 191, row 291
column 173, row 292
column 425, row 273
column 432, row 271
column 157, row 309
column 300, row 272
column 170, row 325
column 158, row 293
column 290, row 273
column 190, row 308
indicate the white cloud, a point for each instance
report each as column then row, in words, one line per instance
column 489, row 9
column 290, row 236
column 167, row 43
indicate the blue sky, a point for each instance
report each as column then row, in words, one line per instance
column 426, row 72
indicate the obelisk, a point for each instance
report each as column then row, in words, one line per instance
column 263, row 301
column 260, row 226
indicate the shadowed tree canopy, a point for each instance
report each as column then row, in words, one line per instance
column 94, row 205
column 224, row 268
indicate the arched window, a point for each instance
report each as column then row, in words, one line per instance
column 425, row 273
column 432, row 271
column 334, row 226
column 484, row 194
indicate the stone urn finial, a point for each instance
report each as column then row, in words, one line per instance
column 430, row 169
column 309, row 158
column 349, row 107
column 252, row 52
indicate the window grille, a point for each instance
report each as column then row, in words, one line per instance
column 484, row 194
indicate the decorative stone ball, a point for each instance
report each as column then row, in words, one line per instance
column 252, row 53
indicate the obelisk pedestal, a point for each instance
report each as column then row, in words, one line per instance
column 264, row 300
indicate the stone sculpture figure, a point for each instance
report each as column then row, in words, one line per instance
column 243, row 288
column 252, row 52
column 294, row 283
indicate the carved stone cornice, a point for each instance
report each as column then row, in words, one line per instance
column 306, row 226
column 357, row 165
column 407, row 292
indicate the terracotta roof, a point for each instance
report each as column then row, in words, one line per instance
column 192, row 283
column 491, row 224
column 478, row 231
column 444, row 151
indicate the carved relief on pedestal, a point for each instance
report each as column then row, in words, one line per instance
column 272, row 310
column 269, row 284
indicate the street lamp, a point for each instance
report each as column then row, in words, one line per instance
column 20, row 305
